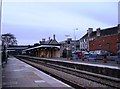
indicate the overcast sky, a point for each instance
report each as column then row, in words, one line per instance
column 32, row 20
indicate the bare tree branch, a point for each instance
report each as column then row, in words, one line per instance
column 9, row 39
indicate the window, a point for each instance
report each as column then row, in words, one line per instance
column 99, row 46
column 108, row 47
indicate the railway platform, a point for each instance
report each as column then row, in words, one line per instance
column 17, row 74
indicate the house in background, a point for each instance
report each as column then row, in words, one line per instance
column 106, row 39
column 84, row 41
column 102, row 39
column 68, row 45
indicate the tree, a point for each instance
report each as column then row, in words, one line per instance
column 9, row 39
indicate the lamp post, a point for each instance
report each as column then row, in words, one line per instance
column 67, row 44
column 75, row 38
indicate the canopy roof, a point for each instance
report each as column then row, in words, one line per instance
column 43, row 46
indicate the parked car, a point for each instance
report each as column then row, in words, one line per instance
column 110, row 53
column 91, row 52
column 77, row 54
column 97, row 54
column 100, row 52
column 92, row 56
column 85, row 54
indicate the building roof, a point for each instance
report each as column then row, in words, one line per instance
column 103, row 32
column 43, row 46
column 109, row 31
column 65, row 41
column 18, row 45
column 85, row 36
column 93, row 34
column 53, row 42
column 50, row 42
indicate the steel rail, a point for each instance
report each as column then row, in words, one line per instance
column 105, row 80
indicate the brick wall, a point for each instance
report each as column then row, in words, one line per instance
column 112, row 40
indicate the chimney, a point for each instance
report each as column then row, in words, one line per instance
column 49, row 38
column 89, row 31
column 40, row 42
column 43, row 40
column 54, row 37
column 98, row 32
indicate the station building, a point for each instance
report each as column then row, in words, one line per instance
column 46, row 49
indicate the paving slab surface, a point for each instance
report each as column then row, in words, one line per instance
column 19, row 74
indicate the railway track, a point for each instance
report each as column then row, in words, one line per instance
column 74, row 77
